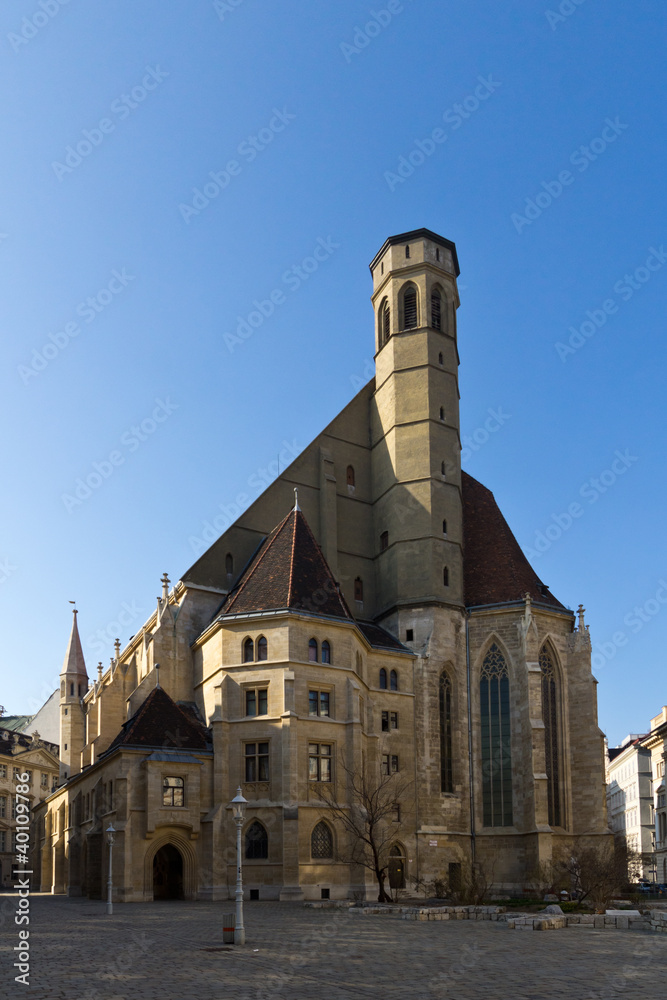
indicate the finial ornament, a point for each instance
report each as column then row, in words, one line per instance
column 74, row 610
column 165, row 586
column 157, row 675
column 116, row 646
column 296, row 499
column 99, row 670
column 580, row 611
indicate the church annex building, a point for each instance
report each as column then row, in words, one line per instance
column 385, row 618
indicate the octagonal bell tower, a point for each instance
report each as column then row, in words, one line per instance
column 415, row 423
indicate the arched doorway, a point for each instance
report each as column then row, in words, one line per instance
column 168, row 873
column 396, row 868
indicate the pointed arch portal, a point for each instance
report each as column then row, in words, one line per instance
column 168, row 873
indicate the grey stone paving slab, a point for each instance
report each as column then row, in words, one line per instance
column 158, row 951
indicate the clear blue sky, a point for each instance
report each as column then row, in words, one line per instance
column 304, row 113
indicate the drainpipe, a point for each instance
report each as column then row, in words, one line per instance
column 470, row 767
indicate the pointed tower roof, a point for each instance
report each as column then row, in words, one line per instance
column 74, row 662
column 288, row 572
column 160, row 722
column 495, row 569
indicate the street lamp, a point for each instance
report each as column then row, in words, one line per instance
column 110, row 833
column 238, row 811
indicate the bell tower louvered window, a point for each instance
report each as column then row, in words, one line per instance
column 550, row 719
column 494, row 690
column 436, row 314
column 410, row 309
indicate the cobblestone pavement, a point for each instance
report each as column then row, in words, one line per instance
column 167, row 950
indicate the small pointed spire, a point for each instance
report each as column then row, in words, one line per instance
column 165, row 586
column 157, row 675
column 99, row 671
column 74, row 663
column 296, row 499
column 580, row 611
column 116, row 646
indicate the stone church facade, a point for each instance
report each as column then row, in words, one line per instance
column 387, row 619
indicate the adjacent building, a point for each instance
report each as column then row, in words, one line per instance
column 655, row 743
column 630, row 799
column 21, row 754
column 371, row 614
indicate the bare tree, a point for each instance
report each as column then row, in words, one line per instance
column 596, row 871
column 368, row 813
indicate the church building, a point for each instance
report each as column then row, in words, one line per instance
column 370, row 612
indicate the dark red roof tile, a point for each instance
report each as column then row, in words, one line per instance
column 495, row 570
column 160, row 722
column 288, row 571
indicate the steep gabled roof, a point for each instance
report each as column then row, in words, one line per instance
column 160, row 722
column 495, row 570
column 289, row 571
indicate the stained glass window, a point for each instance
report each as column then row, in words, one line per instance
column 550, row 719
column 496, row 740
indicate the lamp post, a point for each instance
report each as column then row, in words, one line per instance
column 238, row 810
column 110, row 833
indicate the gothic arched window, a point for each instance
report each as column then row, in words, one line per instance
column 385, row 323
column 326, row 652
column 312, row 650
column 410, row 308
column 393, row 681
column 350, row 475
column 550, row 719
column 256, row 841
column 445, row 704
column 262, row 648
column 321, row 841
column 494, row 690
column 436, row 314
column 248, row 650
column 383, row 678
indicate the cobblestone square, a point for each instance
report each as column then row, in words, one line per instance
column 174, row 950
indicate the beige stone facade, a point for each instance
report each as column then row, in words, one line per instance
column 431, row 614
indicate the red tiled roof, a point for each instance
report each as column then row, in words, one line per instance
column 160, row 722
column 288, row 571
column 495, row 570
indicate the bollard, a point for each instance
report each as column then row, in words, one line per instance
column 228, row 928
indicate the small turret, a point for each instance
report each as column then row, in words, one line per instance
column 73, row 686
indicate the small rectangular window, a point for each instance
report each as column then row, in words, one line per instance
column 3, row 806
column 173, row 792
column 319, row 762
column 318, row 703
column 44, row 781
column 384, row 540
column 409, row 635
column 385, row 722
column 389, row 763
column 256, row 701
column 257, row 762
column 393, row 720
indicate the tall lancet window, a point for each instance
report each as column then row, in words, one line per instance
column 445, row 699
column 494, row 690
column 385, row 322
column 550, row 719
